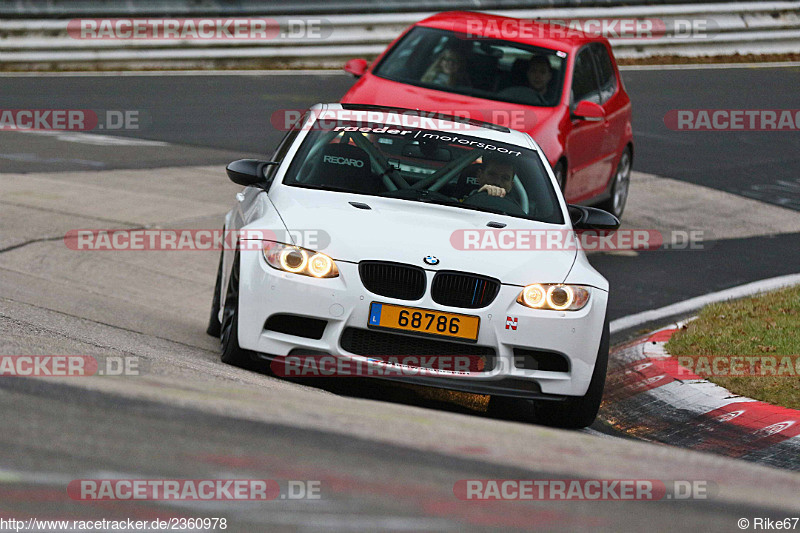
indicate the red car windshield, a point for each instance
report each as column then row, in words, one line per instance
column 473, row 66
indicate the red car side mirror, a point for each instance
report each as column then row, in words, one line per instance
column 586, row 110
column 356, row 67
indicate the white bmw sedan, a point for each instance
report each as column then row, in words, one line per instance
column 433, row 237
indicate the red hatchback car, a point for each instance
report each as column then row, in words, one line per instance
column 557, row 84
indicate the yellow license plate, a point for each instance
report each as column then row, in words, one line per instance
column 423, row 321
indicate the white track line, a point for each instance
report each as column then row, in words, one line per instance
column 95, row 139
column 712, row 66
column 696, row 303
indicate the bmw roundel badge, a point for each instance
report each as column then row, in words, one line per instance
column 431, row 260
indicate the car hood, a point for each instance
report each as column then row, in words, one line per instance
column 406, row 232
column 371, row 89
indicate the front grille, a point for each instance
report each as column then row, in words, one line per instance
column 458, row 289
column 379, row 343
column 394, row 280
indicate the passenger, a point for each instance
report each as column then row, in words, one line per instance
column 449, row 69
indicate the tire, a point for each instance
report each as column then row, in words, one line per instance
column 572, row 413
column 232, row 353
column 620, row 185
column 214, row 325
column 579, row 412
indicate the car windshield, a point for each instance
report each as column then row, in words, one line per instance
column 425, row 165
column 485, row 68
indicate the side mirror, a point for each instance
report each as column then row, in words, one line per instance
column 586, row 110
column 356, row 67
column 592, row 218
column 249, row 172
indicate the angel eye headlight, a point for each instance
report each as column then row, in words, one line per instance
column 560, row 297
column 299, row 260
column 293, row 260
column 534, row 296
column 320, row 265
column 554, row 296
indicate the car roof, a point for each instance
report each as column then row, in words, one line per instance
column 477, row 128
column 491, row 26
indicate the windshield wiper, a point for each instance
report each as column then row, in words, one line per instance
column 456, row 203
column 432, row 197
column 423, row 196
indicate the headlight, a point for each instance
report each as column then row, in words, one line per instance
column 299, row 260
column 554, row 296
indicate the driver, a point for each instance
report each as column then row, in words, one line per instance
column 538, row 90
column 495, row 176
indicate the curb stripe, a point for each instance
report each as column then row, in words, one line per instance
column 652, row 397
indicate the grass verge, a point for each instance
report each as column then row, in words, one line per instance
column 764, row 329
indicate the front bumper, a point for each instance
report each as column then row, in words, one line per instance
column 344, row 303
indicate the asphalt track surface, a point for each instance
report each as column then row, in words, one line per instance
column 214, row 119
column 387, row 457
column 233, row 114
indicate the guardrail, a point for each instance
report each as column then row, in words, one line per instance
column 219, row 8
column 687, row 30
